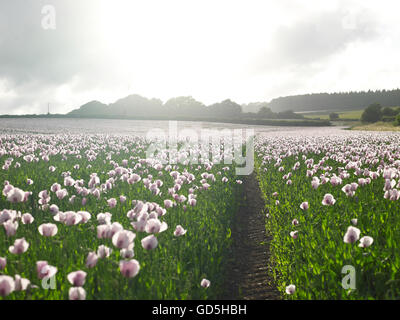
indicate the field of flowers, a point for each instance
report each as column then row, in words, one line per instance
column 90, row 217
column 332, row 205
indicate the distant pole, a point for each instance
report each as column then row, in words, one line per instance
column 48, row 108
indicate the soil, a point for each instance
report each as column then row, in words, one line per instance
column 248, row 276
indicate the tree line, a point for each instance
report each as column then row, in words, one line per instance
column 179, row 107
column 339, row 101
column 280, row 108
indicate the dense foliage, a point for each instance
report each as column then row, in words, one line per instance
column 336, row 101
column 332, row 202
column 110, row 222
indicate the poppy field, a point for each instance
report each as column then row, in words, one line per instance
column 91, row 217
column 333, row 211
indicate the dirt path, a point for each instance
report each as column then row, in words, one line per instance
column 248, row 277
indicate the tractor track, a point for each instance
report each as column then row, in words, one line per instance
column 248, row 275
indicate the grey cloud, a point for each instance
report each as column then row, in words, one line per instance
column 32, row 58
column 30, row 53
column 315, row 38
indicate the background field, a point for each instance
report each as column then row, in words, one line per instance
column 343, row 115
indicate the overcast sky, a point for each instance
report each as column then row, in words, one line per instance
column 212, row 50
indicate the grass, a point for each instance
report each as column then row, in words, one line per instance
column 314, row 260
column 343, row 115
column 173, row 270
column 377, row 126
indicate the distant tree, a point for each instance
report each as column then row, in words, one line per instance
column 336, row 101
column 226, row 109
column 333, row 116
column 289, row 114
column 92, row 108
column 372, row 113
column 265, row 112
column 387, row 111
column 136, row 105
column 254, row 106
column 397, row 122
column 184, row 106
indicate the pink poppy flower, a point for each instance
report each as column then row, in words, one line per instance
column 192, row 202
column 85, row 216
column 335, row 181
column 10, row 227
column 161, row 211
column 205, row 186
column 3, row 263
column 55, row 187
column 69, row 181
column 104, row 218
column 293, row 234
column 7, row 285
column 328, row 200
column 103, row 251
column 44, row 270
column 91, row 260
column 290, row 289
column 179, row 231
column 149, row 242
column 44, row 197
column 139, row 225
column 15, row 195
column 27, row 218
column 21, row 284
column 205, row 283
column 53, row 209
column 72, row 218
column 96, row 193
column 115, row 227
column 61, row 194
column 304, row 206
column 127, row 253
column 352, row 235
column 7, row 188
column 26, row 196
column 134, row 178
column 112, row 202
column 20, row 246
column 48, row 229
column 77, row 293
column 348, row 190
column 130, row 268
column 77, row 278
column 155, row 226
column 315, row 183
column 122, row 239
column 366, row 241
